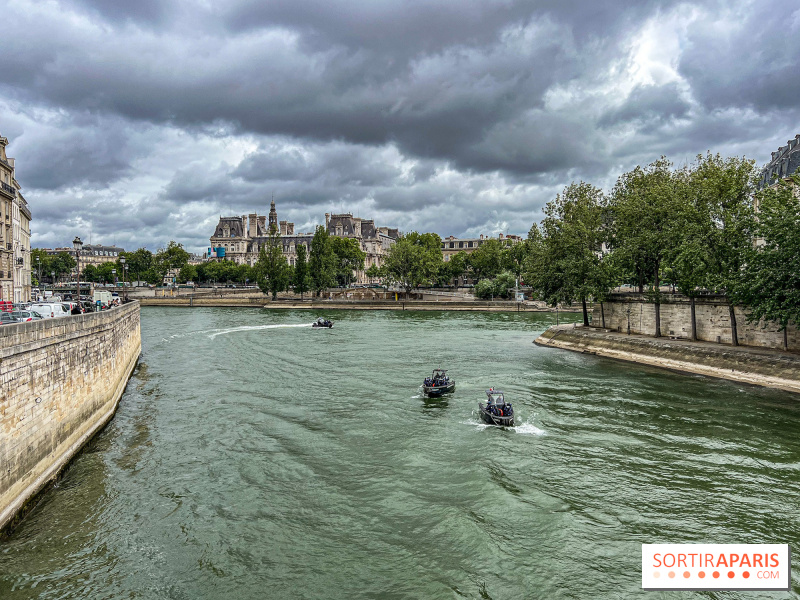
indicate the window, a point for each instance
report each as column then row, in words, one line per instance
column 460, row 244
column 469, row 244
column 452, row 244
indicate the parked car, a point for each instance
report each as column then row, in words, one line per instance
column 6, row 318
column 26, row 315
column 51, row 310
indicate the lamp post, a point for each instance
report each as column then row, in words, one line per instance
column 77, row 244
column 39, row 273
column 53, row 279
column 124, row 269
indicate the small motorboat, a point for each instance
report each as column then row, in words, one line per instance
column 496, row 411
column 322, row 323
column 438, row 383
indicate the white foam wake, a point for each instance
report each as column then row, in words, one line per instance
column 256, row 327
column 524, row 428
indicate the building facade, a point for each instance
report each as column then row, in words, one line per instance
column 783, row 163
column 241, row 238
column 453, row 245
column 15, row 234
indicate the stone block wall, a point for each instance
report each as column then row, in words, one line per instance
column 711, row 314
column 60, row 382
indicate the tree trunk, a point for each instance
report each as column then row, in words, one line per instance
column 786, row 337
column 585, row 312
column 694, row 320
column 658, row 318
column 734, row 332
column 602, row 316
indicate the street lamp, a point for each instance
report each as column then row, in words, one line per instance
column 39, row 271
column 77, row 243
column 53, row 279
column 124, row 269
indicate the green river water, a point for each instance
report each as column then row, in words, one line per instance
column 255, row 457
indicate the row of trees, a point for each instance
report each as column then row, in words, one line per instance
column 692, row 227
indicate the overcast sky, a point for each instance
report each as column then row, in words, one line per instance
column 140, row 122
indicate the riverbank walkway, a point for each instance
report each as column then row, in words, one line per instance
column 747, row 364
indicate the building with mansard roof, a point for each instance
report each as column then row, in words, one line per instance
column 240, row 238
column 15, row 234
column 783, row 163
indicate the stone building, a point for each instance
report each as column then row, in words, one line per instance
column 240, row 238
column 15, row 234
column 374, row 241
column 453, row 245
column 783, row 163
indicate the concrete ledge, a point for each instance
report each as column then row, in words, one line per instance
column 756, row 366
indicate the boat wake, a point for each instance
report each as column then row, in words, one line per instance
column 256, row 327
column 522, row 428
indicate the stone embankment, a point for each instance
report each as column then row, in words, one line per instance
column 757, row 366
column 61, row 383
column 322, row 305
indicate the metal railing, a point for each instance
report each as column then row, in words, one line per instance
column 8, row 188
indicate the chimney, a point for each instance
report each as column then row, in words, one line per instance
column 327, row 220
column 262, row 221
column 290, row 229
column 244, row 225
column 357, row 227
column 481, row 236
column 501, row 236
column 253, row 225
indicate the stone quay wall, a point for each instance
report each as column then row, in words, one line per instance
column 712, row 317
column 61, row 381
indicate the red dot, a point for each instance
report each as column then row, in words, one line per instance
column 716, row 574
column 746, row 574
column 686, row 574
column 701, row 574
column 731, row 574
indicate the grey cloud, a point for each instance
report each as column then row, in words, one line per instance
column 648, row 105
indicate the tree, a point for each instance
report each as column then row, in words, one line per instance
column 89, row 273
column 173, row 257
column 348, row 256
column 487, row 259
column 322, row 262
column 138, row 262
column 769, row 283
column 373, row 272
column 726, row 188
column 414, row 259
column 187, row 273
column 512, row 257
column 565, row 261
column 301, row 278
column 454, row 268
column 643, row 205
column 500, row 287
column 62, row 264
column 272, row 270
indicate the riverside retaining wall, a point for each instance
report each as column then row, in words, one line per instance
column 711, row 315
column 757, row 366
column 322, row 305
column 61, row 381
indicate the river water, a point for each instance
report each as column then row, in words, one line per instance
column 255, row 457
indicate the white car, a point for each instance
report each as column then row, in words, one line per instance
column 50, row 310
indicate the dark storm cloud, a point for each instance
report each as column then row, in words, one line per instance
column 146, row 120
column 751, row 62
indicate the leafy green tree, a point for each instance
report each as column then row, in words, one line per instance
column 769, row 283
column 63, row 264
column 513, row 257
column 643, row 205
column 89, row 273
column 138, row 262
column 565, row 262
column 272, row 270
column 487, row 260
column 301, row 276
column 349, row 258
column 454, row 268
column 414, row 259
column 725, row 187
column 373, row 272
column 501, row 286
column 171, row 257
column 187, row 273
column 322, row 261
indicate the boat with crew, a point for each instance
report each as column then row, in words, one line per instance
column 496, row 411
column 322, row 323
column 438, row 383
